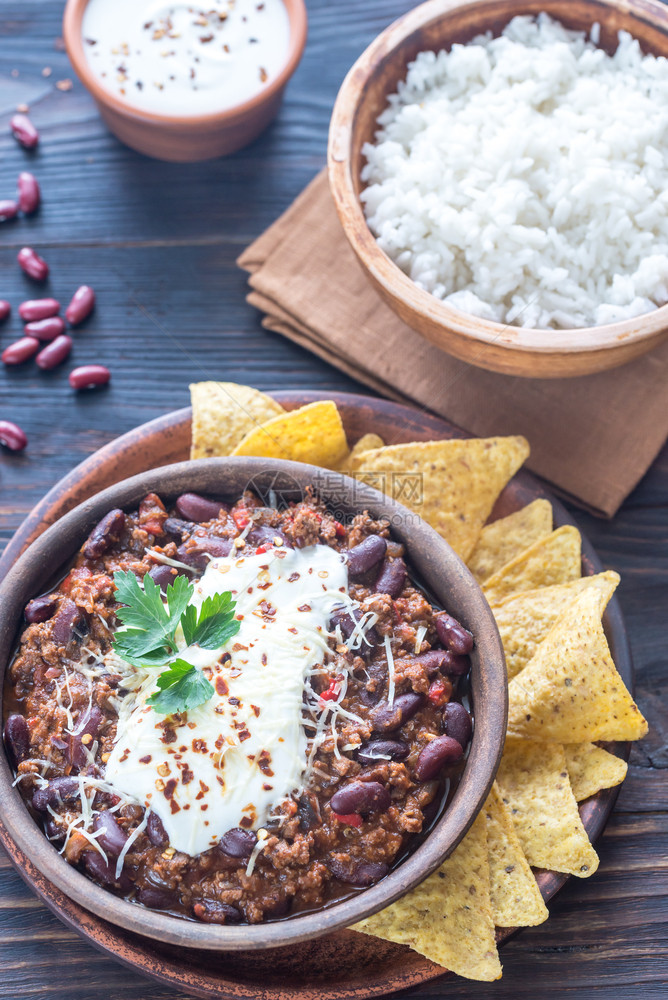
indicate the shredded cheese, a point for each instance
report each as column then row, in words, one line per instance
column 390, row 671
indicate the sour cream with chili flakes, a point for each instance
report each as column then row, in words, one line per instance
column 185, row 59
column 230, row 761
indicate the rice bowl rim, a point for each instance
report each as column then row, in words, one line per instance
column 418, row 307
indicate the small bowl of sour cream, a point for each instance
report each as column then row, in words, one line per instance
column 185, row 81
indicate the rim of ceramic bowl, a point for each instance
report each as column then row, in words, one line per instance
column 389, row 276
column 434, row 561
column 72, row 36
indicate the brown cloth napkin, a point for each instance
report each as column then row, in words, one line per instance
column 592, row 437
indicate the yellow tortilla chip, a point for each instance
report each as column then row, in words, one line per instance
column 448, row 918
column 312, row 434
column 525, row 619
column 570, row 691
column 534, row 784
column 451, row 484
column 514, row 893
column 504, row 539
column 223, row 413
column 555, row 559
column 366, row 443
column 590, row 769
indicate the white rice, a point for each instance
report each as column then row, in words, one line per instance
column 524, row 179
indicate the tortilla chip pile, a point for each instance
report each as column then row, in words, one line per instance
column 565, row 693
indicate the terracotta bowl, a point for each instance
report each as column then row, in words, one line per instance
column 185, row 139
column 435, row 564
column 363, row 95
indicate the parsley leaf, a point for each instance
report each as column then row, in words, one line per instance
column 182, row 686
column 149, row 636
column 215, row 625
column 143, row 609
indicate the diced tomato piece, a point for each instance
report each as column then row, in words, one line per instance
column 439, row 692
column 339, row 528
column 350, row 819
column 241, row 518
column 332, row 692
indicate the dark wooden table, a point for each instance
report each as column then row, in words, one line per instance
column 158, row 243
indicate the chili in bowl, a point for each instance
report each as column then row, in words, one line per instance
column 237, row 716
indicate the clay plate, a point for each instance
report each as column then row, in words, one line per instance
column 343, row 965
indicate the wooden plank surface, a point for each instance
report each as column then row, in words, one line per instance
column 158, row 243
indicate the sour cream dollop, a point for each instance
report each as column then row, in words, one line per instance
column 185, row 59
column 230, row 761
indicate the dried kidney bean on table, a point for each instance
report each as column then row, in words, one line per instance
column 24, row 131
column 32, row 264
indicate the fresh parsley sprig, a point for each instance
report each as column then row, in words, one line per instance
column 149, row 638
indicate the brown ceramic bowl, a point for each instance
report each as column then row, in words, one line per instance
column 185, row 139
column 363, row 95
column 435, row 564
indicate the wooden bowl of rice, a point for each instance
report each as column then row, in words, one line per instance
column 538, row 351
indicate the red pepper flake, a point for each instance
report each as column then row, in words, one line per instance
column 350, row 819
column 261, row 549
column 170, row 788
column 245, row 821
column 340, row 530
column 146, row 759
column 221, row 686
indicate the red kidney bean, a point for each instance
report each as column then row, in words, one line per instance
column 382, row 750
column 238, row 843
column 457, row 723
column 36, row 309
column 20, row 351
column 45, row 329
column 386, row 718
column 155, row 831
column 88, row 725
column 157, row 899
column 346, row 620
column 32, row 264
column 177, row 528
column 5, row 310
column 441, row 751
column 366, row 555
column 213, row 545
column 57, row 791
column 210, row 911
column 54, row 353
column 453, row 635
column 308, row 809
column 192, row 552
column 105, row 534
column 89, row 376
column 81, row 305
column 24, row 131
column 30, row 195
column 12, row 436
column 105, row 871
column 391, row 578
column 262, row 534
column 17, row 736
column 163, row 575
column 432, row 661
column 9, row 209
column 455, row 666
column 362, row 873
column 40, row 609
column 112, row 838
column 193, row 507
column 69, row 624
column 361, row 797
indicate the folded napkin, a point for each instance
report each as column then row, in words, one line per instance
column 592, row 437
